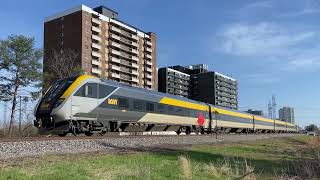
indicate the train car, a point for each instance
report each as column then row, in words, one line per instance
column 87, row 104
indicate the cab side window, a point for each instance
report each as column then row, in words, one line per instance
column 88, row 90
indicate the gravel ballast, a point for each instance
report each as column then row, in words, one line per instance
column 20, row 149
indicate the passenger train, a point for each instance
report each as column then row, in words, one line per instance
column 87, row 104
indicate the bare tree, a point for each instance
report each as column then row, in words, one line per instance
column 62, row 64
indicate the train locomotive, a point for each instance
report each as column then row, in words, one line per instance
column 88, row 104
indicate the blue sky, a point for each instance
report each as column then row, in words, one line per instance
column 270, row 47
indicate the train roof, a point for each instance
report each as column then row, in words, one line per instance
column 122, row 85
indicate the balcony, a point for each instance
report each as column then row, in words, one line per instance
column 125, row 77
column 95, row 37
column 134, row 51
column 148, row 49
column 112, row 51
column 113, row 59
column 96, row 54
column 115, row 37
column 123, row 32
column 114, row 67
column 95, row 45
column 115, row 29
column 96, row 71
column 135, row 58
column 148, row 56
column 114, row 44
column 135, row 65
column 148, row 76
column 95, row 29
column 149, row 63
column 134, row 44
column 96, row 21
column 148, row 69
column 149, row 83
column 135, row 79
column 134, row 72
column 114, row 75
column 148, row 43
column 95, row 62
column 123, row 40
column 125, row 70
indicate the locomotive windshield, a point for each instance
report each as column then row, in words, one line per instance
column 54, row 93
column 58, row 87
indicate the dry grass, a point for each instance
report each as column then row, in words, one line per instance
column 305, row 168
column 231, row 169
column 186, row 169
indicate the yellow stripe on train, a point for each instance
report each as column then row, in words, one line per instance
column 75, row 84
column 185, row 104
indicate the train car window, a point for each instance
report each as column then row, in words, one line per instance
column 123, row 103
column 186, row 112
column 170, row 109
column 105, row 90
column 179, row 111
column 91, row 90
column 206, row 115
column 150, row 107
column 88, row 90
column 138, row 105
column 161, row 108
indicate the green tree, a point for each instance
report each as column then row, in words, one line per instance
column 20, row 69
column 311, row 127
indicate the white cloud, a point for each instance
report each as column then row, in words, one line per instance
column 262, row 39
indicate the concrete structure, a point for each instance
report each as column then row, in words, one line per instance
column 216, row 89
column 286, row 114
column 108, row 47
column 174, row 82
column 199, row 84
column 255, row 112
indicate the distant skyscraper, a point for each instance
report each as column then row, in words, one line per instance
column 286, row 114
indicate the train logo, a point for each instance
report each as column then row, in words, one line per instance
column 113, row 101
column 200, row 119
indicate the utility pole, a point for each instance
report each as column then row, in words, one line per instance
column 20, row 114
column 5, row 114
column 274, row 107
column 269, row 110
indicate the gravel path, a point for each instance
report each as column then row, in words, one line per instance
column 37, row 148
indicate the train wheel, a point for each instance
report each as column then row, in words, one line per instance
column 202, row 131
column 102, row 133
column 178, row 132
column 188, row 130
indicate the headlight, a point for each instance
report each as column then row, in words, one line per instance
column 58, row 102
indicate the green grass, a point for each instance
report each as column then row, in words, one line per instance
column 265, row 158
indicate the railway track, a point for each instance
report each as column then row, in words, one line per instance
column 41, row 146
column 113, row 135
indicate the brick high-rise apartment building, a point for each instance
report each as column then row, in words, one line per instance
column 107, row 47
